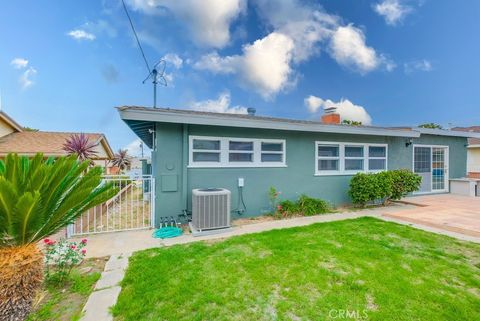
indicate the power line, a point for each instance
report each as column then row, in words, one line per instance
column 136, row 37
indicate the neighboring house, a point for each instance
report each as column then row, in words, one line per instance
column 473, row 156
column 201, row 150
column 14, row 139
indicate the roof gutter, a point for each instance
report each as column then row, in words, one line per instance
column 220, row 120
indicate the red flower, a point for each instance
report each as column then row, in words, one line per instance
column 46, row 241
column 84, row 251
column 279, row 207
column 84, row 241
column 73, row 247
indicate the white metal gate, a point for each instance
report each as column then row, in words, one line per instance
column 131, row 208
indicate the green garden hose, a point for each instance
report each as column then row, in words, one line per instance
column 167, row 232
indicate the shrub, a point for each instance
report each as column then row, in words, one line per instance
column 61, row 257
column 384, row 186
column 404, row 182
column 311, row 206
column 304, row 206
column 273, row 197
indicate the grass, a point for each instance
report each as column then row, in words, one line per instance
column 65, row 302
column 367, row 268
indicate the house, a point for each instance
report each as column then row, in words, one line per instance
column 15, row 139
column 473, row 155
column 194, row 149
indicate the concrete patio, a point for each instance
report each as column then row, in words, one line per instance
column 455, row 213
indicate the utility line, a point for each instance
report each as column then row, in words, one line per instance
column 136, row 37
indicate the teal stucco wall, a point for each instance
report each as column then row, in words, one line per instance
column 174, row 181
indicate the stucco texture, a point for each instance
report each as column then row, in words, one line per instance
column 170, row 162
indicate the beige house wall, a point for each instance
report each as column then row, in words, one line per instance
column 473, row 160
column 5, row 128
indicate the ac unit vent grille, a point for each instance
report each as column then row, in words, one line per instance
column 210, row 208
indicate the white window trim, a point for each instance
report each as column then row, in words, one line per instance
column 225, row 150
column 341, row 158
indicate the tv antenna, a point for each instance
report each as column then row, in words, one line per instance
column 157, row 74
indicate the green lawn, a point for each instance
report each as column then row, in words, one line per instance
column 363, row 268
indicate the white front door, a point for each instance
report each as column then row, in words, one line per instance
column 431, row 163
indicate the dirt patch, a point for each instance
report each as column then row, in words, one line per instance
column 64, row 303
column 252, row 220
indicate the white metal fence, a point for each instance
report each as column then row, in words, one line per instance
column 131, row 208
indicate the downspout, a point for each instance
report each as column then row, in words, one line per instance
column 184, row 169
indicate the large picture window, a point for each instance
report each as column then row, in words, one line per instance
column 335, row 158
column 236, row 152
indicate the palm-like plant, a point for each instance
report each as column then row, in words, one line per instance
column 121, row 160
column 80, row 145
column 38, row 197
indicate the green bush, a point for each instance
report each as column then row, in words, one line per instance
column 304, row 206
column 404, row 182
column 311, row 206
column 384, row 186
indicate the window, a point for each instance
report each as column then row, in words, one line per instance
column 240, row 151
column 272, row 152
column 328, row 157
column 236, row 152
column 205, row 150
column 377, row 158
column 354, row 158
column 349, row 158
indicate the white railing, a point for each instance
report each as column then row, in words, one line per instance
column 132, row 208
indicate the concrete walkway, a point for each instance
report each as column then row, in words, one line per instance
column 106, row 290
column 107, row 244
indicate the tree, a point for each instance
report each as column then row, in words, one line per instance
column 38, row 197
column 351, row 122
column 80, row 145
column 431, row 126
column 122, row 160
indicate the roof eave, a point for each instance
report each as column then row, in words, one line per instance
column 219, row 120
column 443, row 132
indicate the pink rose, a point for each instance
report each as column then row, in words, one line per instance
column 73, row 247
column 84, row 241
column 84, row 251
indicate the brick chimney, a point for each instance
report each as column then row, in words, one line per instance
column 330, row 116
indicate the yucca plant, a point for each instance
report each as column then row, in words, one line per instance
column 80, row 145
column 38, row 197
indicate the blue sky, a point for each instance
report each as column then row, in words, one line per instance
column 64, row 65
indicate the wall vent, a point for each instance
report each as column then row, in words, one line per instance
column 210, row 208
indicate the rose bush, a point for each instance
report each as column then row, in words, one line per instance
column 61, row 257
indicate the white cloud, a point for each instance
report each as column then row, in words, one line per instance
column 174, row 60
column 208, row 21
column 313, row 103
column 26, row 79
column 393, row 11
column 80, row 34
column 19, row 63
column 299, row 32
column 417, row 65
column 134, row 148
column 346, row 109
column 219, row 105
column 264, row 65
column 349, row 49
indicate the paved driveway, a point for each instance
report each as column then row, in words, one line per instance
column 450, row 212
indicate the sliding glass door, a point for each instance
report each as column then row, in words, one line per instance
column 431, row 163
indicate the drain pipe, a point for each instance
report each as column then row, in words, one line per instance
column 184, row 170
